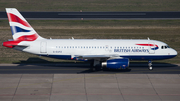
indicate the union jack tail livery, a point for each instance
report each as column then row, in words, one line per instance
column 21, row 29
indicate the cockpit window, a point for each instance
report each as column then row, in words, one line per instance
column 164, row 47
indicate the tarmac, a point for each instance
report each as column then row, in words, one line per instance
column 89, row 87
column 73, row 82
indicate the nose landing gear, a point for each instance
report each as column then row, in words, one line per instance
column 150, row 65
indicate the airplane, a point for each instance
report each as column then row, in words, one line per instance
column 109, row 53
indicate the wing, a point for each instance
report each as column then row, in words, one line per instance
column 91, row 57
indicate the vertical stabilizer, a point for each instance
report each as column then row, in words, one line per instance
column 21, row 29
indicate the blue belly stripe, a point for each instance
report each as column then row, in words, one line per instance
column 137, row 57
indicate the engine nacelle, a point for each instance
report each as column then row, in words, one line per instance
column 121, row 63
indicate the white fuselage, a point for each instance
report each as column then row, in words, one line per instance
column 94, row 48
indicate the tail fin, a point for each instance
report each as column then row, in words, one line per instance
column 21, row 29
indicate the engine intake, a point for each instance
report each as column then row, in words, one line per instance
column 121, row 63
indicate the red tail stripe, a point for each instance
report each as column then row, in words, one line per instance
column 147, row 45
column 27, row 38
column 14, row 18
column 12, row 44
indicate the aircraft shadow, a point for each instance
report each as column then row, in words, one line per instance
column 86, row 65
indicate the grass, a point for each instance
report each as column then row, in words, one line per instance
column 91, row 5
column 162, row 30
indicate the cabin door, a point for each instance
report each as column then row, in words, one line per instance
column 43, row 48
column 151, row 48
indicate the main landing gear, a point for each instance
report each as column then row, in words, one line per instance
column 150, row 65
column 95, row 65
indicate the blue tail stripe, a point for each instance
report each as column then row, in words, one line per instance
column 16, row 29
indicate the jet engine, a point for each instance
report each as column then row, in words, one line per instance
column 119, row 63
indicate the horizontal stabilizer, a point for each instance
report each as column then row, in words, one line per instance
column 12, row 44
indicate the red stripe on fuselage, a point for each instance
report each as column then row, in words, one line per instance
column 147, row 45
column 14, row 18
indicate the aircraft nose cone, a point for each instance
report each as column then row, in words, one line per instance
column 174, row 52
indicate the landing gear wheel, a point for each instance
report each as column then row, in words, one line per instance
column 150, row 68
column 95, row 68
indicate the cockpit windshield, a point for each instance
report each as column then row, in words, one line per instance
column 165, row 47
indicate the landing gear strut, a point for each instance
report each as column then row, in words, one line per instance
column 95, row 65
column 150, row 65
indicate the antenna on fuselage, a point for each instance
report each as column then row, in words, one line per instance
column 148, row 38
